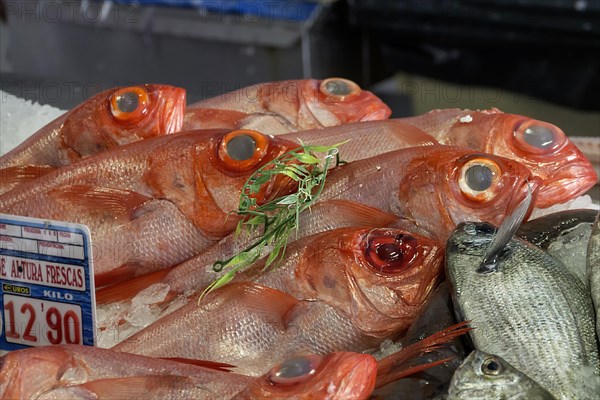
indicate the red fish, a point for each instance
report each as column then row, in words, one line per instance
column 436, row 187
column 109, row 119
column 288, row 106
column 61, row 372
column 540, row 146
column 154, row 203
column 345, row 289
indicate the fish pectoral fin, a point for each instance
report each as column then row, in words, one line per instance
column 121, row 204
column 217, row 366
column 398, row 365
column 271, row 304
column 345, row 213
column 127, row 290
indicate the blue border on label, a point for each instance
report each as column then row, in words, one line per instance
column 85, row 300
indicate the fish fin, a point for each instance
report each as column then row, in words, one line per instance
column 217, row 366
column 271, row 304
column 128, row 289
column 123, row 273
column 344, row 213
column 504, row 233
column 119, row 203
column 20, row 174
column 394, row 367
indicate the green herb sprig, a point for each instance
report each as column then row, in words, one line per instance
column 278, row 217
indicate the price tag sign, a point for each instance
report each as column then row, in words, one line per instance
column 46, row 283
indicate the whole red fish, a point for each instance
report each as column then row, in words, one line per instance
column 153, row 203
column 540, row 146
column 288, row 106
column 61, row 372
column 436, row 187
column 345, row 289
column 109, row 119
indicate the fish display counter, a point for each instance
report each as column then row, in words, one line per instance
column 301, row 246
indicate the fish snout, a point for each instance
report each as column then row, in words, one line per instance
column 567, row 183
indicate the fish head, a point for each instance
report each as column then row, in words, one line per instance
column 545, row 149
column 24, row 374
column 122, row 115
column 223, row 164
column 335, row 376
column 486, row 376
column 451, row 185
column 379, row 278
column 310, row 104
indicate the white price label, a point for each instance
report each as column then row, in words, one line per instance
column 34, row 322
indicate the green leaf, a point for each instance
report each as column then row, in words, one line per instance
column 307, row 158
column 279, row 216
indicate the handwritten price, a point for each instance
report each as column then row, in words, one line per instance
column 61, row 322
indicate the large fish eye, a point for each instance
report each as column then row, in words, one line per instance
column 539, row 137
column 295, row 370
column 479, row 179
column 129, row 104
column 243, row 149
column 338, row 88
column 390, row 253
column 491, row 366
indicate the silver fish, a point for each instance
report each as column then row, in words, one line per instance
column 483, row 376
column 564, row 235
column 593, row 269
column 530, row 310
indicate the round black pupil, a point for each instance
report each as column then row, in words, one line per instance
column 389, row 252
column 539, row 136
column 338, row 88
column 241, row 148
column 479, row 177
column 295, row 368
column 493, row 366
column 128, row 102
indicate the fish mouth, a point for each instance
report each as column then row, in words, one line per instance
column 569, row 182
column 173, row 107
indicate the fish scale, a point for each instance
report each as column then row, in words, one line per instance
column 531, row 311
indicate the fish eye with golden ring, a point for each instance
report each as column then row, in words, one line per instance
column 479, row 179
column 491, row 366
column 339, row 89
column 243, row 149
column 129, row 104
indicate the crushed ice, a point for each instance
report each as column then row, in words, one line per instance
column 20, row 118
column 581, row 202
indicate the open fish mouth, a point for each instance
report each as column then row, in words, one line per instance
column 566, row 184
